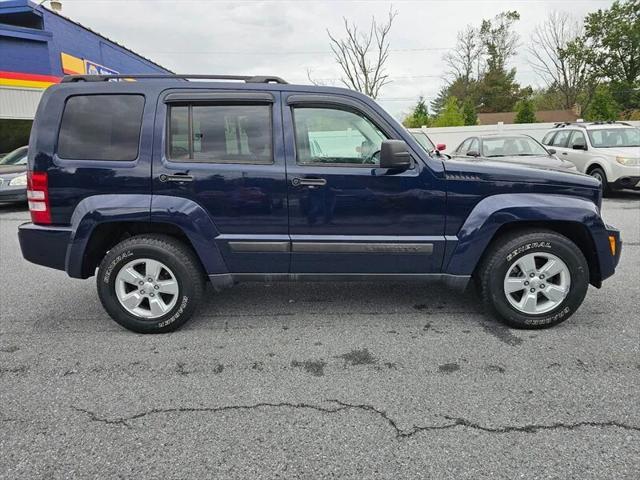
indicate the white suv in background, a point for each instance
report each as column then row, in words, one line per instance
column 609, row 151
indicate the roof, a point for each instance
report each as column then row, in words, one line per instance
column 542, row 116
column 14, row 4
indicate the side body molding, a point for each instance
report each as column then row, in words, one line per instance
column 495, row 211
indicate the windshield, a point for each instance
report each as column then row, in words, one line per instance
column 17, row 157
column 615, row 137
column 511, row 147
column 424, row 141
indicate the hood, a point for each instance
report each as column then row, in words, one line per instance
column 12, row 169
column 633, row 152
column 501, row 171
column 538, row 161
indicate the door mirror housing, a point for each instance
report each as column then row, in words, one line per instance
column 473, row 153
column 579, row 146
column 441, row 147
column 394, row 154
column 552, row 151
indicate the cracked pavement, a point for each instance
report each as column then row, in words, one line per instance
column 318, row 381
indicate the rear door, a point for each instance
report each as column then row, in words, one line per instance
column 347, row 215
column 577, row 156
column 224, row 151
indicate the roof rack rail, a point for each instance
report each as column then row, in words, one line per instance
column 106, row 78
column 611, row 122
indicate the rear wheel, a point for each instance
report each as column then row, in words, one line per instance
column 534, row 279
column 150, row 283
column 599, row 174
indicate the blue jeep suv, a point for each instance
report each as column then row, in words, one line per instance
column 162, row 184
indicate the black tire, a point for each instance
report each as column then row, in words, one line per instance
column 177, row 257
column 504, row 253
column 598, row 173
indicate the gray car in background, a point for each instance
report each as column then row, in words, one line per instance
column 13, row 176
column 519, row 149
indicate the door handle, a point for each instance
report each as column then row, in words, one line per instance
column 308, row 182
column 565, row 153
column 178, row 177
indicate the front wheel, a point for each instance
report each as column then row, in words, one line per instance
column 150, row 283
column 599, row 174
column 534, row 279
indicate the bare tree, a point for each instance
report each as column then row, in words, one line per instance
column 554, row 57
column 362, row 55
column 466, row 61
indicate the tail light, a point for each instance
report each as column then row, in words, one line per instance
column 38, row 197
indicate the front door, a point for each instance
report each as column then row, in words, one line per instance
column 347, row 215
column 224, row 151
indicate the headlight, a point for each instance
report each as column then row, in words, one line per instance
column 19, row 180
column 628, row 161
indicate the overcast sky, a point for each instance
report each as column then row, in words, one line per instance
column 285, row 38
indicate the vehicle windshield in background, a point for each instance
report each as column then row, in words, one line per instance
column 511, row 147
column 615, row 137
column 424, row 141
column 17, row 157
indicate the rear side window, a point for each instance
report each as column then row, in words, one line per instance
column 221, row 134
column 101, row 127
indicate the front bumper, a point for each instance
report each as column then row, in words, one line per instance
column 632, row 183
column 13, row 194
column 44, row 245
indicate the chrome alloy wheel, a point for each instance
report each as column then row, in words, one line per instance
column 146, row 288
column 537, row 283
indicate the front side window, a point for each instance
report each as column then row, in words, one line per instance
column 221, row 134
column 474, row 146
column 326, row 136
column 547, row 138
column 101, row 127
column 464, row 147
column 577, row 139
column 615, row 137
column 561, row 138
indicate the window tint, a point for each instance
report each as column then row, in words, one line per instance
column 221, row 134
column 330, row 136
column 547, row 138
column 560, row 140
column 101, row 127
column 577, row 138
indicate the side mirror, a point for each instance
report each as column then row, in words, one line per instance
column 552, row 151
column 579, row 146
column 441, row 147
column 473, row 153
column 394, row 154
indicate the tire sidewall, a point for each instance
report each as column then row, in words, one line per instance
column 555, row 245
column 106, row 279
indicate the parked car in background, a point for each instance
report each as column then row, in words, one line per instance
column 608, row 151
column 13, row 176
column 520, row 149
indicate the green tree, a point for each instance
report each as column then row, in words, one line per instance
column 469, row 113
column 525, row 111
column 450, row 116
column 613, row 40
column 419, row 117
column 603, row 106
column 498, row 91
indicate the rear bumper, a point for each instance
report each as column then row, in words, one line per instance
column 43, row 245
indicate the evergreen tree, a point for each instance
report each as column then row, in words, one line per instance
column 451, row 115
column 419, row 117
column 469, row 113
column 603, row 106
column 525, row 111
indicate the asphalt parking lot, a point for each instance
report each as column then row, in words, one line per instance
column 318, row 381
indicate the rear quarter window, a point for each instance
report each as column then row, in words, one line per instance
column 101, row 127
